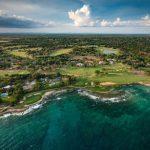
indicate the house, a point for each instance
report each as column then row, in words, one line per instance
column 8, row 87
column 89, row 63
column 111, row 61
column 101, row 62
column 79, row 64
column 29, row 85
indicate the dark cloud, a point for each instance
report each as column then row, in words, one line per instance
column 14, row 21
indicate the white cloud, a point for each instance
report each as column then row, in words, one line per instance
column 105, row 23
column 81, row 17
column 143, row 22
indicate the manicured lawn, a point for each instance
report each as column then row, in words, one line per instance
column 8, row 99
column 22, row 54
column 90, row 71
column 61, row 52
column 124, row 78
column 32, row 99
column 118, row 73
column 11, row 72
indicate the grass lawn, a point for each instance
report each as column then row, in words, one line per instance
column 32, row 99
column 124, row 78
column 8, row 99
column 118, row 73
column 20, row 54
column 3, row 73
column 61, row 52
column 90, row 71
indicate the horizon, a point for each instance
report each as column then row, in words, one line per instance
column 74, row 17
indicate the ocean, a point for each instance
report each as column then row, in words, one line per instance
column 75, row 121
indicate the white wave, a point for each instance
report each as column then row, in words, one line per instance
column 6, row 115
column 85, row 93
column 99, row 98
column 58, row 98
column 113, row 99
column 35, row 106
column 30, row 109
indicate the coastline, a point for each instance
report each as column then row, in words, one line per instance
column 29, row 108
column 104, row 96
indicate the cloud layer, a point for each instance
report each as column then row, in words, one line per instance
column 82, row 18
column 143, row 22
column 13, row 21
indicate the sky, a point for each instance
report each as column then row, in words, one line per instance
column 75, row 16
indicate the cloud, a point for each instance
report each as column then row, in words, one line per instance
column 143, row 22
column 14, row 21
column 81, row 17
column 105, row 23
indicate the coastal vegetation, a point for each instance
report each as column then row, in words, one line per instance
column 33, row 64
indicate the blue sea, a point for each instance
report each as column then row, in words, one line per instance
column 74, row 121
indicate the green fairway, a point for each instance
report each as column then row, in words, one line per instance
column 119, row 74
column 90, row 71
column 22, row 54
column 33, row 98
column 61, row 52
column 9, row 99
column 3, row 73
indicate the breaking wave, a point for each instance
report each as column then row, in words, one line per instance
column 96, row 98
column 30, row 109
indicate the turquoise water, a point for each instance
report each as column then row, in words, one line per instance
column 77, row 122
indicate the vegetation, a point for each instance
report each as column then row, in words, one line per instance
column 21, row 54
column 61, row 52
column 31, row 64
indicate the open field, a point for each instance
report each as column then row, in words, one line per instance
column 118, row 74
column 33, row 97
column 3, row 41
column 8, row 99
column 90, row 71
column 19, row 53
column 61, row 52
column 4, row 73
column 16, row 47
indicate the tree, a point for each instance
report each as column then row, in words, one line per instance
column 37, row 86
column 18, row 91
column 97, row 72
column 71, row 80
column 0, row 98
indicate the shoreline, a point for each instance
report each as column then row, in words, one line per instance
column 82, row 91
column 29, row 108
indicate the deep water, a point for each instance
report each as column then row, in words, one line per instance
column 74, row 122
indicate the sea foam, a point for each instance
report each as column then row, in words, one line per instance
column 100, row 98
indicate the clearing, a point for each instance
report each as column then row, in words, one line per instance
column 19, row 53
column 4, row 73
column 118, row 73
column 61, row 52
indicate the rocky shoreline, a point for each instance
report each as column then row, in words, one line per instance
column 104, row 96
column 28, row 108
